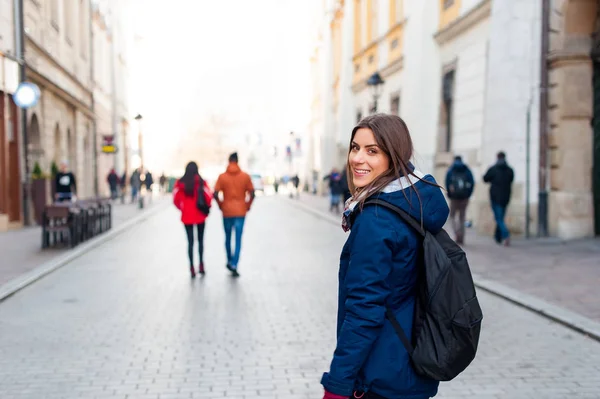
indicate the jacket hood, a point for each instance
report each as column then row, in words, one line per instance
column 427, row 202
column 459, row 165
column 233, row 168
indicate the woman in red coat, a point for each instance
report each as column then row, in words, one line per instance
column 185, row 198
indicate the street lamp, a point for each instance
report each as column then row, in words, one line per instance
column 375, row 83
column 138, row 118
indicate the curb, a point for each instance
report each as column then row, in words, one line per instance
column 15, row 285
column 567, row 318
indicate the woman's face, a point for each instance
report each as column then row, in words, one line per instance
column 366, row 159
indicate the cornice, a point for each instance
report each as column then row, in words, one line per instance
column 59, row 92
column 50, row 57
column 385, row 72
column 380, row 39
column 482, row 11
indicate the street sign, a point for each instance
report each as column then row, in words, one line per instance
column 108, row 145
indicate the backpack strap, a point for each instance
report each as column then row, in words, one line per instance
column 402, row 213
column 399, row 331
column 388, row 311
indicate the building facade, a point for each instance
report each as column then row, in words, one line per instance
column 466, row 77
column 58, row 56
column 110, row 43
column 10, row 176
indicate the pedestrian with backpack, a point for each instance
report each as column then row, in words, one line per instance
column 192, row 196
column 459, row 184
column 388, row 340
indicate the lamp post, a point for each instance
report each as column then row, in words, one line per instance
column 138, row 118
column 375, row 83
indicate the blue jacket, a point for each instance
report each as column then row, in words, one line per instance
column 378, row 268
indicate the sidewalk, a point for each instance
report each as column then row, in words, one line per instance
column 565, row 274
column 21, row 249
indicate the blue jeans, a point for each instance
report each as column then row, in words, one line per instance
column 499, row 214
column 229, row 224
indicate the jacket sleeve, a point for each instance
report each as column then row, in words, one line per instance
column 208, row 195
column 489, row 175
column 367, row 291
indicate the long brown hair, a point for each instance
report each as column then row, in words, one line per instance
column 393, row 138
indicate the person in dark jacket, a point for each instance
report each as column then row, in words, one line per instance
column 344, row 185
column 65, row 183
column 378, row 265
column 335, row 189
column 113, row 183
column 185, row 198
column 500, row 176
column 460, row 185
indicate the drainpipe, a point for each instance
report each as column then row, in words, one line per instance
column 20, row 55
column 544, row 125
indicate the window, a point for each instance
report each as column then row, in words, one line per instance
column 399, row 10
column 371, row 58
column 395, row 104
column 448, row 101
column 356, row 68
column 358, row 116
column 394, row 44
column 448, row 4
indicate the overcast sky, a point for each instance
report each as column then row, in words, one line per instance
column 247, row 60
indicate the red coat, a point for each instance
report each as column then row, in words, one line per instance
column 187, row 205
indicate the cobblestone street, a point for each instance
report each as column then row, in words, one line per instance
column 126, row 321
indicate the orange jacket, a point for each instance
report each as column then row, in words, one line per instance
column 237, row 189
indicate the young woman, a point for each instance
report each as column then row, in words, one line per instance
column 378, row 265
column 185, row 198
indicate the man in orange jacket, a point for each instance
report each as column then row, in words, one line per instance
column 238, row 194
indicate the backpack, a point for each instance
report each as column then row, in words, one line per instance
column 460, row 186
column 201, row 201
column 448, row 317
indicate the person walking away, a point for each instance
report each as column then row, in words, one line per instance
column 460, row 185
column 123, row 186
column 379, row 265
column 500, row 176
column 113, row 183
column 192, row 196
column 344, row 186
column 149, row 181
column 135, row 181
column 162, row 181
column 296, row 183
column 238, row 195
column 335, row 189
column 65, row 183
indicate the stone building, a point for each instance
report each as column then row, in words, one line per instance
column 466, row 77
column 109, row 87
column 58, row 55
column 10, row 177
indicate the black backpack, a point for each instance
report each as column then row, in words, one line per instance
column 460, row 186
column 448, row 317
column 201, row 201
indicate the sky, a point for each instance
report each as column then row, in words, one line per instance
column 244, row 60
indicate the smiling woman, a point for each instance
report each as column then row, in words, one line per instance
column 378, row 266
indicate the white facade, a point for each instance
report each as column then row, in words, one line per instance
column 111, row 41
column 493, row 47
